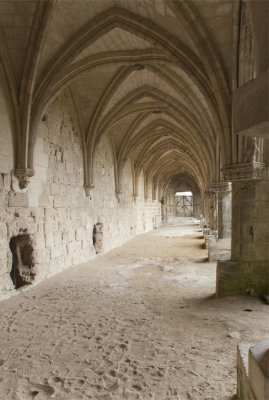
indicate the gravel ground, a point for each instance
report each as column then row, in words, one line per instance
column 139, row 322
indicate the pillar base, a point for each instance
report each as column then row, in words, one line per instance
column 235, row 277
column 219, row 250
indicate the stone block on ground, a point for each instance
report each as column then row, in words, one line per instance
column 258, row 364
column 244, row 391
column 219, row 250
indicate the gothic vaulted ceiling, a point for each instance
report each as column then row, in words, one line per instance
column 153, row 75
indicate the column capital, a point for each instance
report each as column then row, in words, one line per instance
column 24, row 175
column 221, row 186
column 209, row 192
column 244, row 171
column 88, row 188
column 118, row 195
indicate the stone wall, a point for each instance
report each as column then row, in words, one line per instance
column 55, row 210
column 6, row 165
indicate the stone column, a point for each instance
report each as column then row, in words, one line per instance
column 164, row 209
column 248, row 269
column 224, row 208
column 147, row 192
column 210, row 209
column 197, row 211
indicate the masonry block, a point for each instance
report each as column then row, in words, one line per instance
column 258, row 360
column 235, row 277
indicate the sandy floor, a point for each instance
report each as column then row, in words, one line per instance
column 139, row 322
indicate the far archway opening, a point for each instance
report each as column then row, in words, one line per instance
column 184, row 204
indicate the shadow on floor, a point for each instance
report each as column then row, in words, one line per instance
column 202, row 260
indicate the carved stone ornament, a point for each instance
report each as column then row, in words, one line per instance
column 246, row 171
column 210, row 192
column 118, row 195
column 139, row 67
column 221, row 186
column 23, row 265
column 24, row 175
column 98, row 237
column 88, row 187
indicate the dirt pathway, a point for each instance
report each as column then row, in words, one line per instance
column 139, row 322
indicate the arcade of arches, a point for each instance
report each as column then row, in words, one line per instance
column 110, row 107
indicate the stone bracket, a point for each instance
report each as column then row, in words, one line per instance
column 24, row 175
column 88, row 187
column 245, row 171
column 118, row 195
column 210, row 192
column 221, row 187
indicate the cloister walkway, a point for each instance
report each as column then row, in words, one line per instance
column 139, row 322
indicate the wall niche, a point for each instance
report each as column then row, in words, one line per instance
column 23, row 260
column 98, row 238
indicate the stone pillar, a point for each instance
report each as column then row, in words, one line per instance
column 224, row 208
column 210, row 209
column 250, row 222
column 197, row 210
column 164, row 209
column 248, row 269
column 147, row 192
column 206, row 208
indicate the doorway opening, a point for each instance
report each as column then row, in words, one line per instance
column 184, row 204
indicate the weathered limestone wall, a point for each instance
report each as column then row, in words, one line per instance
column 54, row 209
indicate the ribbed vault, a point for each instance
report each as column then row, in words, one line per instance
column 159, row 91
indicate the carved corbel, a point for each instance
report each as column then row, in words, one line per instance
column 24, row 175
column 221, row 186
column 118, row 195
column 139, row 67
column 88, row 187
column 209, row 192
